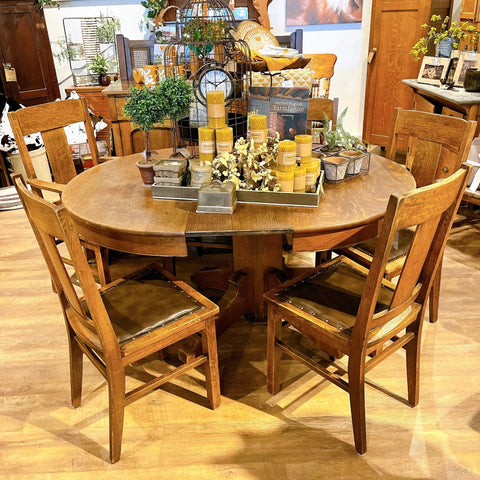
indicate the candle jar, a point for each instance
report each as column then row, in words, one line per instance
column 200, row 174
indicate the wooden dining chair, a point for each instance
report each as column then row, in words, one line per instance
column 125, row 321
column 318, row 108
column 345, row 309
column 323, row 66
column 50, row 119
column 437, row 146
column 133, row 54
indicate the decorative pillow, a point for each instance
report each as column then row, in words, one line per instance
column 7, row 140
column 299, row 77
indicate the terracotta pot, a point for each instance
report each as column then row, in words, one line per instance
column 147, row 173
column 104, row 80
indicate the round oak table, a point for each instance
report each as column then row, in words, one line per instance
column 111, row 208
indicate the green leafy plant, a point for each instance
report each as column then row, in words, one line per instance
column 48, row 3
column 170, row 98
column 198, row 32
column 107, row 28
column 439, row 30
column 66, row 50
column 153, row 7
column 177, row 95
column 338, row 138
column 99, row 65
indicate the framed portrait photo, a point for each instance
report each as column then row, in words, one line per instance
column 466, row 60
column 433, row 70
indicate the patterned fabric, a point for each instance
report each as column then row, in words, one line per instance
column 300, row 78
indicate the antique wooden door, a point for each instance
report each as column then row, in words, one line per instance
column 27, row 72
column 395, row 28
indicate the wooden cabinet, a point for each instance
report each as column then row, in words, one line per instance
column 24, row 45
column 127, row 138
column 470, row 10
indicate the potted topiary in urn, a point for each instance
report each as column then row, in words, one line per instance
column 146, row 107
column 170, row 98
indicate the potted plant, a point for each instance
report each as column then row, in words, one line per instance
column 178, row 96
column 345, row 153
column 170, row 98
column 145, row 107
column 100, row 66
column 444, row 36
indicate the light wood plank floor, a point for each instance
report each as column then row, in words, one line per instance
column 302, row 433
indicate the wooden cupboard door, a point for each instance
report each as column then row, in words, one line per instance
column 395, row 28
column 24, row 44
column 469, row 8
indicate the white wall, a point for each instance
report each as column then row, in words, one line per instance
column 348, row 41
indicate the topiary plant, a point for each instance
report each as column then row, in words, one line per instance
column 145, row 107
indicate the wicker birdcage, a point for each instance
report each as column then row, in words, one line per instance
column 210, row 58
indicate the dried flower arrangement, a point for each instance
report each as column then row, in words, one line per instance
column 249, row 166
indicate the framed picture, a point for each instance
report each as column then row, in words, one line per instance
column 433, row 70
column 467, row 60
column 452, row 68
column 322, row 12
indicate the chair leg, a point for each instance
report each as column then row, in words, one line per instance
column 434, row 296
column 356, row 383
column 76, row 369
column 274, row 329
column 116, row 413
column 101, row 258
column 212, row 377
column 412, row 351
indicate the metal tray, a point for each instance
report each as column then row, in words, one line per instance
column 291, row 199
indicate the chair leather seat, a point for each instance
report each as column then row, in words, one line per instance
column 333, row 295
column 145, row 303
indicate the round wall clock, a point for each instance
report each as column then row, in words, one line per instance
column 213, row 78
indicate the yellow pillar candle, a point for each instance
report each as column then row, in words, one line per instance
column 258, row 128
column 206, row 144
column 216, row 108
column 286, row 153
column 224, row 137
column 286, row 168
column 285, row 180
column 299, row 179
column 304, row 146
column 304, row 161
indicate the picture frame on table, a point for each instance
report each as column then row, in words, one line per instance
column 466, row 60
column 433, row 70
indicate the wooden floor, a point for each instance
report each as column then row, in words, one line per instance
column 302, row 433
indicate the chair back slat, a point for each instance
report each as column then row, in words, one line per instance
column 49, row 119
column 430, row 211
column 437, row 144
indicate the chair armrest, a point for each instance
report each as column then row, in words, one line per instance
column 50, row 186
